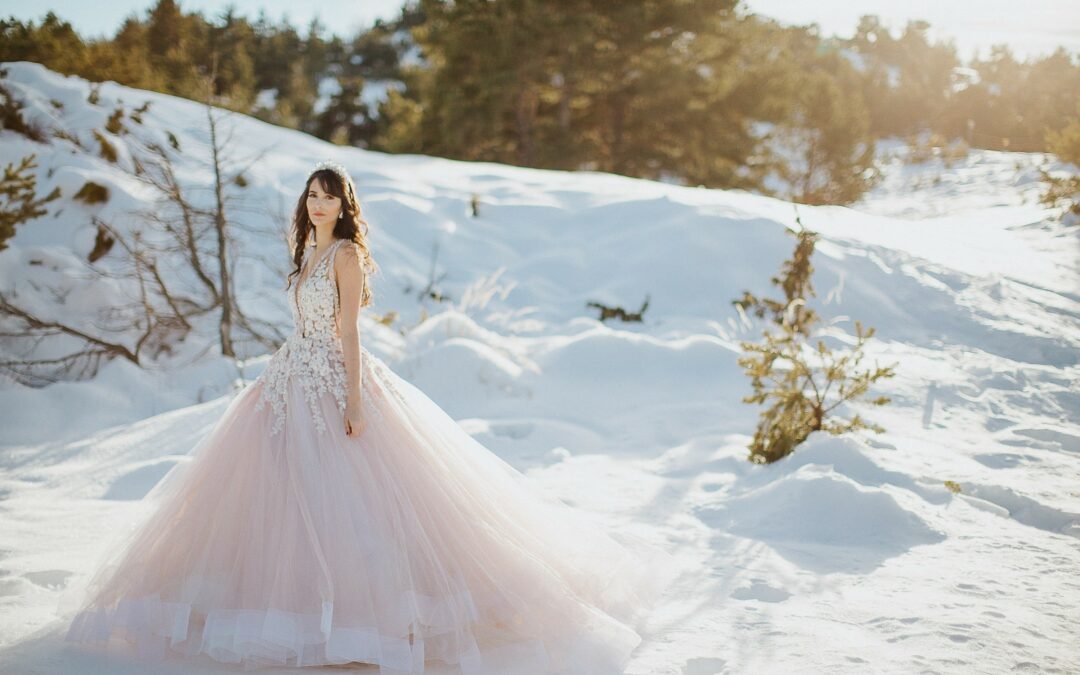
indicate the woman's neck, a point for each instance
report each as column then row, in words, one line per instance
column 323, row 239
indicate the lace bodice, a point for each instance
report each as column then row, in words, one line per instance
column 313, row 353
column 314, row 298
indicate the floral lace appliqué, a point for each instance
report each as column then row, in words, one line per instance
column 314, row 363
column 313, row 353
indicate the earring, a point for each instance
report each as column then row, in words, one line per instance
column 339, row 215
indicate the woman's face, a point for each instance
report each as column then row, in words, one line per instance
column 323, row 207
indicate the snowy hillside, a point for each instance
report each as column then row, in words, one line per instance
column 849, row 556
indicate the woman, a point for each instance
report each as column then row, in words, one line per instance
column 335, row 514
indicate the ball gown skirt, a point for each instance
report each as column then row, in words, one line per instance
column 285, row 542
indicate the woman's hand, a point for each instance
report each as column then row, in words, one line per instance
column 354, row 420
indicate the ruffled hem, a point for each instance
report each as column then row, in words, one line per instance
column 160, row 630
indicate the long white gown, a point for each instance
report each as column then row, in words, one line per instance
column 286, row 542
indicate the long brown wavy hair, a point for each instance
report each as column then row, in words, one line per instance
column 351, row 226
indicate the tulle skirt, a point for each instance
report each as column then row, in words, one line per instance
column 410, row 544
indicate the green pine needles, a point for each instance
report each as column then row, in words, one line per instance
column 1064, row 189
column 801, row 384
column 19, row 201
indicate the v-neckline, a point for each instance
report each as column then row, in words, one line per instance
column 310, row 267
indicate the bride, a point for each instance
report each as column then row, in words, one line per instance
column 335, row 514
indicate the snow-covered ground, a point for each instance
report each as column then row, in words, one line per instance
column 851, row 555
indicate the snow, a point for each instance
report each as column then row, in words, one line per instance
column 328, row 88
column 372, row 94
column 266, row 99
column 851, row 555
column 377, row 91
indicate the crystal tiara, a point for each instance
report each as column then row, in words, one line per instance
column 336, row 168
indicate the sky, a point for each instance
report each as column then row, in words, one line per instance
column 1030, row 28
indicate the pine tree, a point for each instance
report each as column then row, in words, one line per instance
column 836, row 152
column 54, row 43
column 18, row 198
column 125, row 59
column 231, row 46
column 796, row 376
column 1064, row 189
column 347, row 119
column 653, row 89
column 172, row 39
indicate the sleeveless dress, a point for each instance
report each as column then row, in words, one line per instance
column 286, row 542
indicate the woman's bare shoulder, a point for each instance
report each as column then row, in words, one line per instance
column 347, row 254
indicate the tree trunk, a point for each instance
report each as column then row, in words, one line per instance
column 527, row 102
column 220, row 224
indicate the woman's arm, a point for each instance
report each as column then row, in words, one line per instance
column 350, row 282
